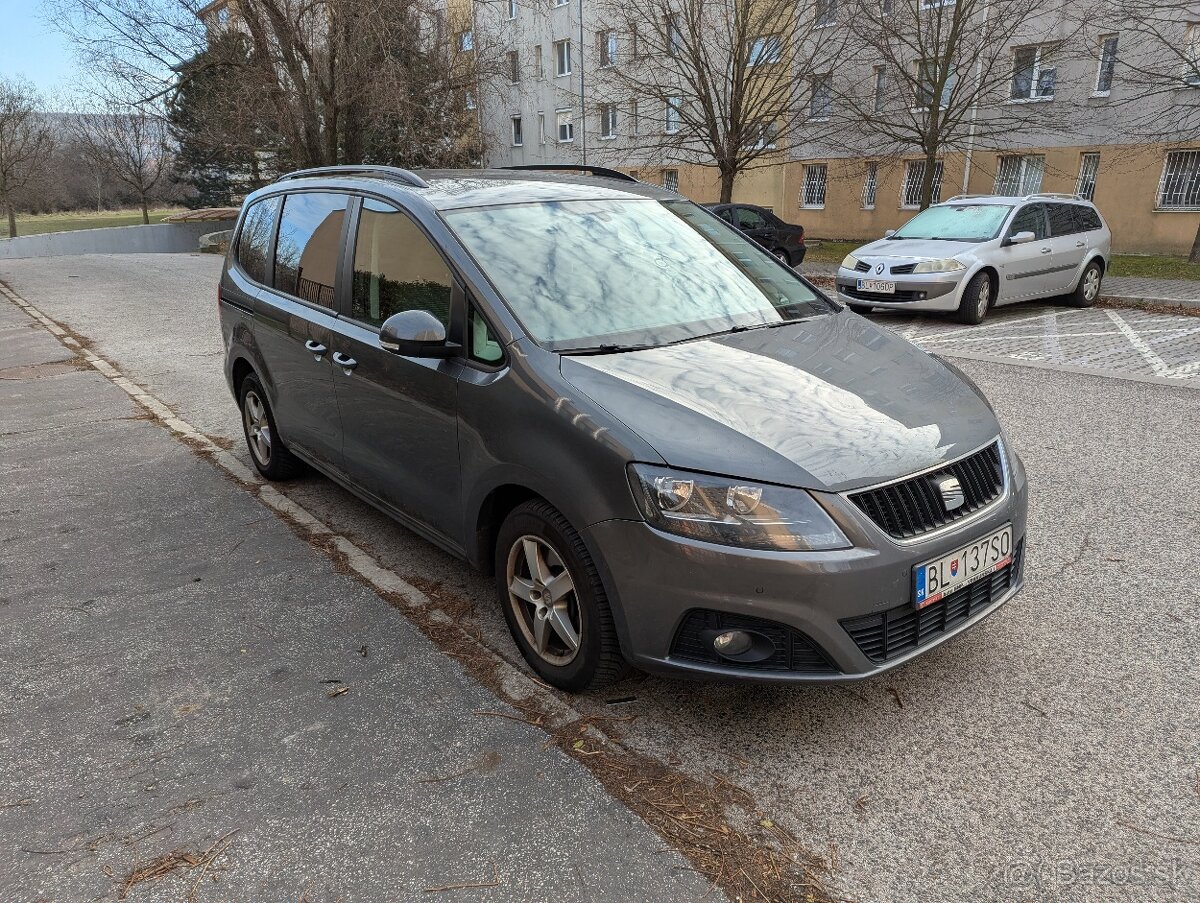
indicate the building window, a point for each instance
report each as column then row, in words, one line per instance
column 1020, row 175
column 765, row 50
column 813, row 195
column 1032, row 78
column 674, row 35
column 607, row 41
column 469, row 100
column 466, row 41
column 763, row 136
column 914, row 177
column 870, row 184
column 566, row 126
column 1191, row 53
column 935, row 4
column 671, row 117
column 881, row 88
column 635, row 120
column 514, row 67
column 1089, row 167
column 671, row 179
column 538, row 69
column 1179, row 188
column 561, row 2
column 541, row 127
column 512, row 9
column 517, row 138
column 1108, row 63
column 927, row 80
column 825, row 13
column 887, row 7
column 608, row 120
column 562, row 57
column 821, row 103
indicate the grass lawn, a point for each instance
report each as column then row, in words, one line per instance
column 69, row 222
column 831, row 251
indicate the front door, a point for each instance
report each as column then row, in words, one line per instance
column 399, row 414
column 1024, row 267
column 755, row 225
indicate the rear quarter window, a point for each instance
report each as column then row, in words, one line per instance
column 1087, row 219
column 254, row 241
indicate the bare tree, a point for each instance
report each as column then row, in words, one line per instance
column 26, row 142
column 127, row 141
column 943, row 75
column 725, row 83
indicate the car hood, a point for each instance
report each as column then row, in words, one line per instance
column 914, row 248
column 832, row 403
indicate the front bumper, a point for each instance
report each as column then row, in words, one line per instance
column 656, row 579
column 934, row 291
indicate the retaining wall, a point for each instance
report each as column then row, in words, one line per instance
column 162, row 238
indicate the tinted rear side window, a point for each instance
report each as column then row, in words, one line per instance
column 396, row 268
column 1062, row 219
column 254, row 241
column 306, row 253
column 1088, row 219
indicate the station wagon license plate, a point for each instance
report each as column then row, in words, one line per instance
column 878, row 286
column 938, row 578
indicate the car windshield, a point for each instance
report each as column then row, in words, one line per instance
column 956, row 222
column 600, row 275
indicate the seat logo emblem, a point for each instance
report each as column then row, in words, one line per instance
column 951, row 492
column 878, row 268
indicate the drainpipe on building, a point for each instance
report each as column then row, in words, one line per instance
column 987, row 11
column 582, row 93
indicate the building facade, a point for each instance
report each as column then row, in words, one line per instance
column 1082, row 129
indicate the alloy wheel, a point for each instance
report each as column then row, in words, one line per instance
column 1091, row 284
column 541, row 592
column 985, row 297
column 258, row 428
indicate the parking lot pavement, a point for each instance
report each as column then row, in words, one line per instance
column 1049, row 755
column 168, row 651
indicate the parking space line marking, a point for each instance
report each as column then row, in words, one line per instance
column 1156, row 363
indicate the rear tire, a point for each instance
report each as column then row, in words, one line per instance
column 976, row 299
column 270, row 456
column 861, row 309
column 1088, row 290
column 782, row 256
column 551, row 592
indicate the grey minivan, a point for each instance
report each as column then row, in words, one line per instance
column 672, row 451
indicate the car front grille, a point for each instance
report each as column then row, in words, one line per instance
column 794, row 651
column 887, row 634
column 893, row 297
column 862, row 267
column 903, row 269
column 914, row 506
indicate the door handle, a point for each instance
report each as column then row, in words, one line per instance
column 1081, row 244
column 1045, row 250
column 316, row 348
column 346, row 363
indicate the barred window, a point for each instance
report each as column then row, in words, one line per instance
column 1085, row 185
column 1179, row 188
column 671, row 179
column 870, row 184
column 914, row 177
column 814, row 185
column 1020, row 175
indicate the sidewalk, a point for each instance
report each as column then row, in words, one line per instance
column 1181, row 292
column 169, row 648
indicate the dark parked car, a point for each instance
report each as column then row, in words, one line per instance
column 671, row 451
column 782, row 239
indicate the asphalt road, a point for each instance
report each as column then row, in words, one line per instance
column 1051, row 754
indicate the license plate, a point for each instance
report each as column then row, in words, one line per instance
column 878, row 286
column 974, row 561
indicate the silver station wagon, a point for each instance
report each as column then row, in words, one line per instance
column 975, row 252
column 671, row 450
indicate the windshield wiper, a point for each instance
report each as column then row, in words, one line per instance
column 607, row 349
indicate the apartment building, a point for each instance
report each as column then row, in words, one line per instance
column 554, row 102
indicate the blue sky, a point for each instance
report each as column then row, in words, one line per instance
column 31, row 48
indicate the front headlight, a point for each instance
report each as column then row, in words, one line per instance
column 733, row 512
column 849, row 261
column 949, row 265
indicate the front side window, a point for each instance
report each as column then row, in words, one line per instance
column 562, row 57
column 396, row 268
column 566, row 126
column 1033, row 78
column 914, row 179
column 749, row 218
column 813, row 194
column 1108, row 63
column 1089, row 168
column 821, row 104
column 1031, row 218
column 583, row 278
column 1019, row 175
column 308, row 246
column 254, row 241
column 956, row 222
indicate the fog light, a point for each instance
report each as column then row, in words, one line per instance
column 732, row 642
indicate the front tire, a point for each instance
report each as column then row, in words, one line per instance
column 1088, row 290
column 976, row 299
column 270, row 456
column 554, row 601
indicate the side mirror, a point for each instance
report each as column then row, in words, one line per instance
column 888, row 233
column 415, row 333
column 1020, row 238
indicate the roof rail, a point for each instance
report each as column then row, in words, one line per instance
column 601, row 171
column 1054, row 194
column 364, row 169
column 963, row 197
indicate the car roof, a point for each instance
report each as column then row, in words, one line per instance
column 455, row 189
column 1011, row 200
